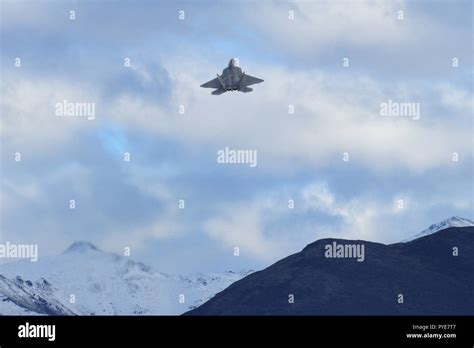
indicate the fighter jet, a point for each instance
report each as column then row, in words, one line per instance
column 232, row 79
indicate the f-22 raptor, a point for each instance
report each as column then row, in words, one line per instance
column 232, row 79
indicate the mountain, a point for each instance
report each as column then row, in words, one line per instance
column 25, row 297
column 453, row 221
column 101, row 283
column 425, row 271
column 431, row 280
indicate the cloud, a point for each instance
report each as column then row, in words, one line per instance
column 357, row 216
column 370, row 34
column 146, row 80
column 334, row 113
column 319, row 25
column 173, row 156
column 29, row 121
column 242, row 226
column 344, row 116
column 460, row 100
column 265, row 228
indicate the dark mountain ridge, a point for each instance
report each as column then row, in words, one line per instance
column 421, row 277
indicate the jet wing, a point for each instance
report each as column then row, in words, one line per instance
column 248, row 80
column 212, row 84
column 218, row 91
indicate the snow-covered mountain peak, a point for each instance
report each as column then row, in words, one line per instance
column 453, row 221
column 104, row 283
column 456, row 221
column 81, row 246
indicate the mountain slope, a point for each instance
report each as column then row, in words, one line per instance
column 31, row 298
column 101, row 283
column 431, row 280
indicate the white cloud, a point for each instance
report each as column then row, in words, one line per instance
column 458, row 99
column 319, row 25
column 242, row 226
column 357, row 216
column 29, row 122
column 334, row 113
column 254, row 226
column 167, row 226
column 259, row 227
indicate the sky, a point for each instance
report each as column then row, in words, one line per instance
column 403, row 173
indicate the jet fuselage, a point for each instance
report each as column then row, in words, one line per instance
column 231, row 77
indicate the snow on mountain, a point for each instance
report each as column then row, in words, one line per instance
column 85, row 280
column 453, row 221
column 37, row 297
